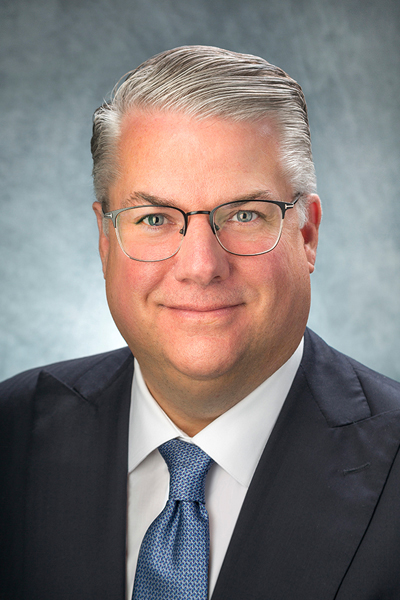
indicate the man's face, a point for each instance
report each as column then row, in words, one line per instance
column 205, row 314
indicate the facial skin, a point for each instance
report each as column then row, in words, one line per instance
column 207, row 327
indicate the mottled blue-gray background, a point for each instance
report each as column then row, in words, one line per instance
column 60, row 58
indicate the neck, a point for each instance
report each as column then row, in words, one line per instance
column 192, row 404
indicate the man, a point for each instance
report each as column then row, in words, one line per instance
column 208, row 221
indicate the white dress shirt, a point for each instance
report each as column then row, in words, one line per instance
column 235, row 441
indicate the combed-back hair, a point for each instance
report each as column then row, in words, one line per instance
column 202, row 82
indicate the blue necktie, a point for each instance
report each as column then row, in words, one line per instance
column 173, row 557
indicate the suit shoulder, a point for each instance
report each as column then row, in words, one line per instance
column 346, row 376
column 22, row 385
column 382, row 393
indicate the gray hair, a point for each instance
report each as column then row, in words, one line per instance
column 203, row 81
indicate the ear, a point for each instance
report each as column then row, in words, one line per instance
column 104, row 242
column 310, row 230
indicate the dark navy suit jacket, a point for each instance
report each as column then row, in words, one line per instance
column 321, row 519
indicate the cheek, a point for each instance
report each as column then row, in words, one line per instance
column 282, row 280
column 295, row 290
column 269, row 274
column 128, row 284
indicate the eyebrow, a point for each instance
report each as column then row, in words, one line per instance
column 257, row 195
column 137, row 197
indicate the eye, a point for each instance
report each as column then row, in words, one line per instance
column 155, row 220
column 244, row 216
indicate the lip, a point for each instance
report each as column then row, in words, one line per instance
column 207, row 315
column 202, row 309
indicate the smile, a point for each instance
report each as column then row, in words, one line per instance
column 203, row 308
column 214, row 312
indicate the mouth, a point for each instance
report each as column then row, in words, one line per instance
column 201, row 308
column 209, row 313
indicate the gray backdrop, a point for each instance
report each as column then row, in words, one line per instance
column 60, row 58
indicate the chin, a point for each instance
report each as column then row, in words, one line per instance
column 204, row 361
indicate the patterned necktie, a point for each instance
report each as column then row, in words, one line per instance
column 173, row 557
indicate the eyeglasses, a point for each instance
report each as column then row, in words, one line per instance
column 244, row 227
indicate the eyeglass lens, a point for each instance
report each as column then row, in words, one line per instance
column 155, row 233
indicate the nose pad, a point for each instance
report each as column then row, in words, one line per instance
column 198, row 212
column 184, row 229
column 201, row 259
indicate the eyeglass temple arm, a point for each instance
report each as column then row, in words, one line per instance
column 287, row 205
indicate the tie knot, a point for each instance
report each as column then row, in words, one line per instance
column 188, row 466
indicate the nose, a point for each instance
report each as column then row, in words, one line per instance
column 201, row 259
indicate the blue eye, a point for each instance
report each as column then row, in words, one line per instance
column 245, row 216
column 154, row 220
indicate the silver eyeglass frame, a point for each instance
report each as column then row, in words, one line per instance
column 284, row 206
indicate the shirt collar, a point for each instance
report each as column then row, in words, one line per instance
column 235, row 440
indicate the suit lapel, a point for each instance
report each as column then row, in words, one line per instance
column 306, row 511
column 315, row 488
column 76, row 492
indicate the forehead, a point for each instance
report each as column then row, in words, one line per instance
column 176, row 157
